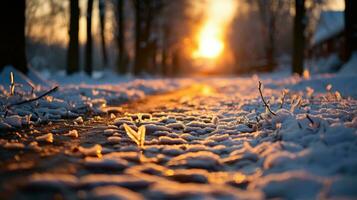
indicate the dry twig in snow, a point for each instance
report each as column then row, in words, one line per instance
column 34, row 99
column 284, row 93
column 309, row 118
column 265, row 103
column 12, row 85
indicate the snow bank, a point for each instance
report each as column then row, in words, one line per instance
column 351, row 66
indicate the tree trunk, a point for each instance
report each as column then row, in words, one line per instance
column 298, row 37
column 165, row 49
column 12, row 35
column 89, row 46
column 176, row 62
column 270, row 50
column 138, row 63
column 73, row 46
column 350, row 27
column 120, row 37
column 143, row 25
column 101, row 5
column 268, row 11
column 147, row 50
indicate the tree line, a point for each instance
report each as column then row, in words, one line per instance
column 151, row 30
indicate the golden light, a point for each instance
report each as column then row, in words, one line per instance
column 210, row 44
column 206, row 90
column 211, row 35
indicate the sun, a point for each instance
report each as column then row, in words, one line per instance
column 210, row 38
column 210, row 45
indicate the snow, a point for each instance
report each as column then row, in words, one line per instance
column 330, row 24
column 290, row 185
column 77, row 95
column 351, row 66
column 331, row 64
column 45, row 138
column 343, row 83
column 105, row 164
column 47, row 180
column 114, row 192
column 95, row 151
column 221, row 143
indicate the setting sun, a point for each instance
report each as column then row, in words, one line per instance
column 210, row 44
column 211, row 36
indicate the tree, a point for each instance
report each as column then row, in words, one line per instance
column 139, row 41
column 12, row 35
column 351, row 26
column 120, row 37
column 172, row 35
column 101, row 6
column 73, row 46
column 89, row 45
column 146, row 14
column 298, row 37
column 269, row 11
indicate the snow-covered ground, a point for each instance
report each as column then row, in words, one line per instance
column 221, row 143
column 76, row 95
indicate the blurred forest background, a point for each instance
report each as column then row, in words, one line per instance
column 158, row 37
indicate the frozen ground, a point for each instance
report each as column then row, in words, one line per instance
column 214, row 139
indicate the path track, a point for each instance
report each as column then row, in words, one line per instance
column 58, row 157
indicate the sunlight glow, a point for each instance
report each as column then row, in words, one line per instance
column 210, row 37
column 206, row 90
column 210, row 43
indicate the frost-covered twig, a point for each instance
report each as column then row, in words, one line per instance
column 283, row 98
column 309, row 118
column 34, row 99
column 6, row 111
column 265, row 103
column 12, row 84
column 32, row 87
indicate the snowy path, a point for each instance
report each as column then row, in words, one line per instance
column 213, row 139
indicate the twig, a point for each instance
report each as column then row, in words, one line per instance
column 265, row 103
column 309, row 118
column 32, row 87
column 34, row 99
column 299, row 125
column 12, row 84
column 283, row 99
column 256, row 118
column 5, row 114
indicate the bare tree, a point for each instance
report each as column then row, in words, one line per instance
column 172, row 21
column 351, row 26
column 139, row 61
column 101, row 5
column 73, row 46
column 298, row 37
column 88, row 68
column 146, row 14
column 12, row 35
column 269, row 11
column 120, row 37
